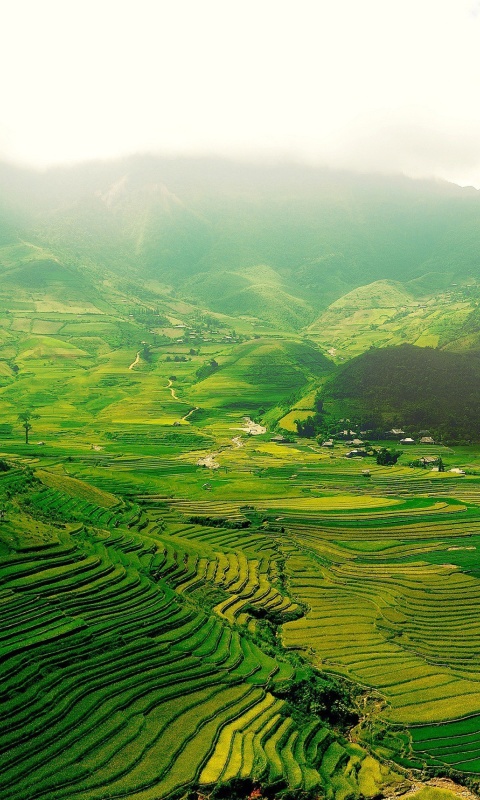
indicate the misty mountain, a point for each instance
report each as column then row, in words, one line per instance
column 278, row 242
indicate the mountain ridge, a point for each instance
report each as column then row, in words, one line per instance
column 323, row 233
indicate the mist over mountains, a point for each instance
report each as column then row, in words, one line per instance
column 341, row 262
column 278, row 242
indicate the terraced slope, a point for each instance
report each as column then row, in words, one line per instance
column 136, row 657
column 390, row 598
column 260, row 374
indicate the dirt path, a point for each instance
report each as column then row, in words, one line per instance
column 208, row 461
column 252, row 427
column 190, row 412
column 137, row 361
column 172, row 391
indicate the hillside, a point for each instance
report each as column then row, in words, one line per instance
column 383, row 314
column 262, row 373
column 412, row 387
column 277, row 243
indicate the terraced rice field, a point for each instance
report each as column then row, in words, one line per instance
column 391, row 597
column 133, row 661
column 154, row 612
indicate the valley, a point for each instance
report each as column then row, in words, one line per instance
column 200, row 598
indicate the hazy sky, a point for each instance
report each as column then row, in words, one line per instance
column 369, row 84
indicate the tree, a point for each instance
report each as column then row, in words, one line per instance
column 306, row 427
column 207, row 369
column 25, row 418
column 318, row 404
column 387, row 458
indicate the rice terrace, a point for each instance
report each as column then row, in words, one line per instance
column 239, row 485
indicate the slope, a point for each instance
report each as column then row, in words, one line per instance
column 259, row 374
column 383, row 314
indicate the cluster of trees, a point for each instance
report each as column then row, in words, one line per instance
column 246, row 788
column 147, row 316
column 322, row 696
column 146, row 353
column 219, row 522
column 386, row 457
column 207, row 369
column 314, row 424
column 202, row 319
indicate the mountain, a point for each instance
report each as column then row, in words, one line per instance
column 207, row 566
column 278, row 243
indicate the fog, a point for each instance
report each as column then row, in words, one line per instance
column 371, row 86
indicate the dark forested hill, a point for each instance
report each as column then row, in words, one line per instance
column 411, row 387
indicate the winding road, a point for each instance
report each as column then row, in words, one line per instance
column 190, row 412
column 172, row 391
column 137, row 361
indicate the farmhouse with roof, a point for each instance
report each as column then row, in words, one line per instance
column 427, row 461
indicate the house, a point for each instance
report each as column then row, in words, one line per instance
column 357, row 442
column 457, row 471
column 356, row 454
column 327, row 443
column 426, row 440
column 407, row 440
column 279, row 439
column 428, row 460
column 397, row 432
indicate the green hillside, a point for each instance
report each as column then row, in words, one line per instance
column 383, row 314
column 254, row 292
column 260, row 374
column 277, row 243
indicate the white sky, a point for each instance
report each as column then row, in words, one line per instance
column 369, row 84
